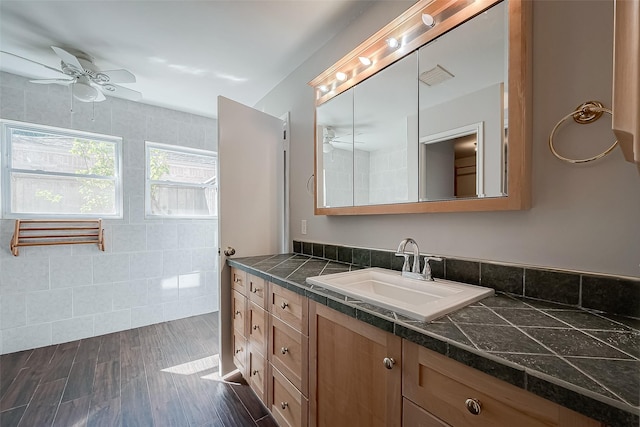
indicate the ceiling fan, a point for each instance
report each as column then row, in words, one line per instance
column 88, row 83
column 329, row 138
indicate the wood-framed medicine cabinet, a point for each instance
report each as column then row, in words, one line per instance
column 417, row 117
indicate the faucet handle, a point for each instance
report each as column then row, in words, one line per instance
column 426, row 271
column 405, row 266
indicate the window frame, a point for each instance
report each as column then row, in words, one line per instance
column 6, row 211
column 148, row 145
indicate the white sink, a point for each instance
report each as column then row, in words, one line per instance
column 417, row 299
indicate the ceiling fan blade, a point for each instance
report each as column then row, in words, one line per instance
column 63, row 82
column 119, row 76
column 32, row 62
column 120, row 92
column 68, row 58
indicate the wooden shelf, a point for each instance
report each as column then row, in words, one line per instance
column 48, row 232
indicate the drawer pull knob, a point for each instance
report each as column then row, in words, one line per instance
column 284, row 405
column 284, row 350
column 238, row 350
column 255, row 372
column 388, row 362
column 256, row 290
column 473, row 406
column 284, row 305
column 256, row 327
column 238, row 312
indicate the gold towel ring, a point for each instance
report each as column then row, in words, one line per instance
column 586, row 113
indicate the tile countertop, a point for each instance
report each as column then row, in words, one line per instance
column 585, row 361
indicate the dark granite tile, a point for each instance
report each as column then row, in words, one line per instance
column 328, row 270
column 557, row 368
column 362, row 257
column 462, row 271
column 297, row 247
column 381, row 259
column 375, row 309
column 529, row 317
column 552, row 286
column 581, row 403
column 503, row 372
column 504, row 278
column 318, row 250
column 503, row 301
column 421, row 339
column 570, row 342
column 547, row 305
column 476, row 315
column 613, row 295
column 322, row 299
column 307, row 248
column 330, row 252
column 629, row 342
column 372, row 319
column 397, row 262
column 585, row 320
column 501, row 339
column 328, row 292
column 299, row 278
column 281, row 272
column 628, row 321
column 444, row 329
column 620, row 376
column 345, row 254
column 342, row 308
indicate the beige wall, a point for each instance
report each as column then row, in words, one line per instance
column 583, row 218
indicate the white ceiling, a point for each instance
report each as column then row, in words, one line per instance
column 183, row 53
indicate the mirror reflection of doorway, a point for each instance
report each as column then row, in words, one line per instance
column 450, row 164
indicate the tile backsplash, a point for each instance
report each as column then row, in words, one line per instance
column 611, row 294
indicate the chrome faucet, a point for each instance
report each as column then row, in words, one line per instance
column 414, row 272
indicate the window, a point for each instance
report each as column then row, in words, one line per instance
column 181, row 182
column 51, row 172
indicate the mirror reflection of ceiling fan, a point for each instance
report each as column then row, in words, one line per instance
column 330, row 139
column 88, row 83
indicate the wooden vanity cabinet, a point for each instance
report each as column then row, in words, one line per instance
column 442, row 388
column 349, row 384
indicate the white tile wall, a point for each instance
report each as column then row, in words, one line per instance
column 152, row 270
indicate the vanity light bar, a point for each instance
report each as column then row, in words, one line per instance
column 421, row 23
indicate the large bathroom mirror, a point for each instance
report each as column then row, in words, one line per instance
column 423, row 126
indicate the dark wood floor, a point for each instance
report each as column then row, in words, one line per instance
column 158, row 375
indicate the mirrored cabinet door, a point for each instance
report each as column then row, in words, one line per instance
column 462, row 104
column 334, row 151
column 386, row 135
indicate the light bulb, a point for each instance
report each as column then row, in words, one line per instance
column 323, row 89
column 428, row 20
column 393, row 42
column 341, row 76
column 364, row 60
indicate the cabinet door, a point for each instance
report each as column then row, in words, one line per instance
column 257, row 374
column 239, row 307
column 258, row 328
column 289, row 352
column 349, row 383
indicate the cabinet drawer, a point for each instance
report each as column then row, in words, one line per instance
column 415, row 416
column 289, row 307
column 258, row 374
column 289, row 352
column 442, row 387
column 258, row 328
column 288, row 406
column 238, row 281
column 257, row 290
column 239, row 310
column 240, row 352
